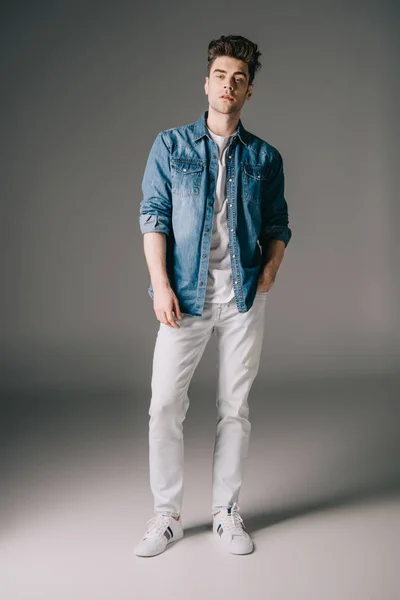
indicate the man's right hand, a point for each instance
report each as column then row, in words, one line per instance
column 165, row 303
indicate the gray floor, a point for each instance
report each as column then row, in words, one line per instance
column 321, row 497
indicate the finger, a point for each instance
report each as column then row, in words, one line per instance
column 177, row 309
column 171, row 320
column 162, row 318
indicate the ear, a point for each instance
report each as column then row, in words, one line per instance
column 206, row 85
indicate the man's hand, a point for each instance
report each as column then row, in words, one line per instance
column 165, row 303
column 273, row 252
column 266, row 279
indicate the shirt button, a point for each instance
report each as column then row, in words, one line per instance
column 233, row 256
column 230, row 156
column 204, row 255
column 235, row 281
column 210, row 204
column 230, row 205
column 201, row 283
column 231, row 229
column 258, row 176
column 230, row 180
column 207, row 229
column 214, row 156
column 184, row 169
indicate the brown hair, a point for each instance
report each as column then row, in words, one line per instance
column 238, row 47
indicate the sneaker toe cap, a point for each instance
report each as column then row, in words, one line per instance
column 149, row 548
column 240, row 545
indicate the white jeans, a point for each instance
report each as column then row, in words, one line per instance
column 177, row 353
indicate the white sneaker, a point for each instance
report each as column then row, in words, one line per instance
column 162, row 530
column 228, row 526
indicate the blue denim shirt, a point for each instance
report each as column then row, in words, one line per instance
column 178, row 199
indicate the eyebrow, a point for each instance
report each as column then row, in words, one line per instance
column 235, row 73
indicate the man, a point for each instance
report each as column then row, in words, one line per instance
column 215, row 225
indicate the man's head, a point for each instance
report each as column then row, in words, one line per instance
column 232, row 64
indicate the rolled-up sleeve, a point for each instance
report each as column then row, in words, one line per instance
column 274, row 210
column 156, row 204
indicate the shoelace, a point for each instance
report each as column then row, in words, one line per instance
column 234, row 521
column 156, row 525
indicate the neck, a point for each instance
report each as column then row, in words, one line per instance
column 221, row 124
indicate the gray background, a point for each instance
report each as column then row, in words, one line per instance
column 86, row 86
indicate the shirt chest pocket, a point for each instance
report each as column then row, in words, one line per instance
column 186, row 176
column 254, row 179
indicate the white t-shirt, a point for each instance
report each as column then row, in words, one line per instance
column 219, row 277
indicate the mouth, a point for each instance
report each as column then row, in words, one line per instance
column 227, row 98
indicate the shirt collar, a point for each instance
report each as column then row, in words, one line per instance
column 200, row 129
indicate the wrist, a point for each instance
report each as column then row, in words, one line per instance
column 160, row 284
column 272, row 265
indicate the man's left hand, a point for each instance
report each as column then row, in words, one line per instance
column 266, row 279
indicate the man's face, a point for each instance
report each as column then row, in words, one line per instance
column 228, row 76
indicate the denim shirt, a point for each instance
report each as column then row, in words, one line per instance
column 178, row 189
